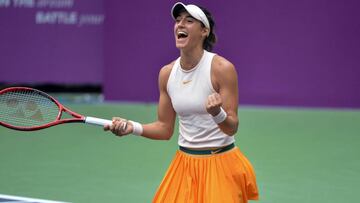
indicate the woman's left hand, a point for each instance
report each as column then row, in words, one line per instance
column 213, row 104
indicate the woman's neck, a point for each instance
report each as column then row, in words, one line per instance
column 189, row 59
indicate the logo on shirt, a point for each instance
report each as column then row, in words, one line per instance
column 186, row 82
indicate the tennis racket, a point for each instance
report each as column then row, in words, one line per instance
column 28, row 109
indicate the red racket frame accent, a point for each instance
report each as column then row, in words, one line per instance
column 77, row 117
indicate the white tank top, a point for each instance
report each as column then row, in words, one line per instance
column 188, row 90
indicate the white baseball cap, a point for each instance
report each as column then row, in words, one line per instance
column 193, row 10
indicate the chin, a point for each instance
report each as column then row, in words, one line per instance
column 180, row 46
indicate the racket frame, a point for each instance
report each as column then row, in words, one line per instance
column 77, row 118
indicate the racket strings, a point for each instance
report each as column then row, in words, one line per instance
column 27, row 108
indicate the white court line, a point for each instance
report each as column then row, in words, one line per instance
column 25, row 199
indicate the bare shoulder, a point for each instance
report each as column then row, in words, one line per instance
column 221, row 64
column 165, row 73
column 222, row 72
column 166, row 70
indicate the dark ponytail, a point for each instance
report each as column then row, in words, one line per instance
column 209, row 41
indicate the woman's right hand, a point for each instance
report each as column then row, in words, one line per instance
column 119, row 127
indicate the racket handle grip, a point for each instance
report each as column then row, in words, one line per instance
column 97, row 121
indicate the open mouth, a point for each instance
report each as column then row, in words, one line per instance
column 182, row 34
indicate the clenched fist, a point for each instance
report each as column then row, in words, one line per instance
column 213, row 104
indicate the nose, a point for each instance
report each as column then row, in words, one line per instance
column 180, row 23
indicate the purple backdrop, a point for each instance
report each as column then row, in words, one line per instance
column 294, row 53
column 58, row 41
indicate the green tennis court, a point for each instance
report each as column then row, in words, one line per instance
column 299, row 155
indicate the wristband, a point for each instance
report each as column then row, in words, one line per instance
column 220, row 117
column 137, row 128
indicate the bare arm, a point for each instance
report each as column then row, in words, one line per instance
column 163, row 128
column 225, row 82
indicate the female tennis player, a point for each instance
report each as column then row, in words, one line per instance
column 201, row 88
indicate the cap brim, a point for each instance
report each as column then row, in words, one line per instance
column 175, row 11
column 193, row 10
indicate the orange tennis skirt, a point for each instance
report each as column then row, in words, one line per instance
column 220, row 178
